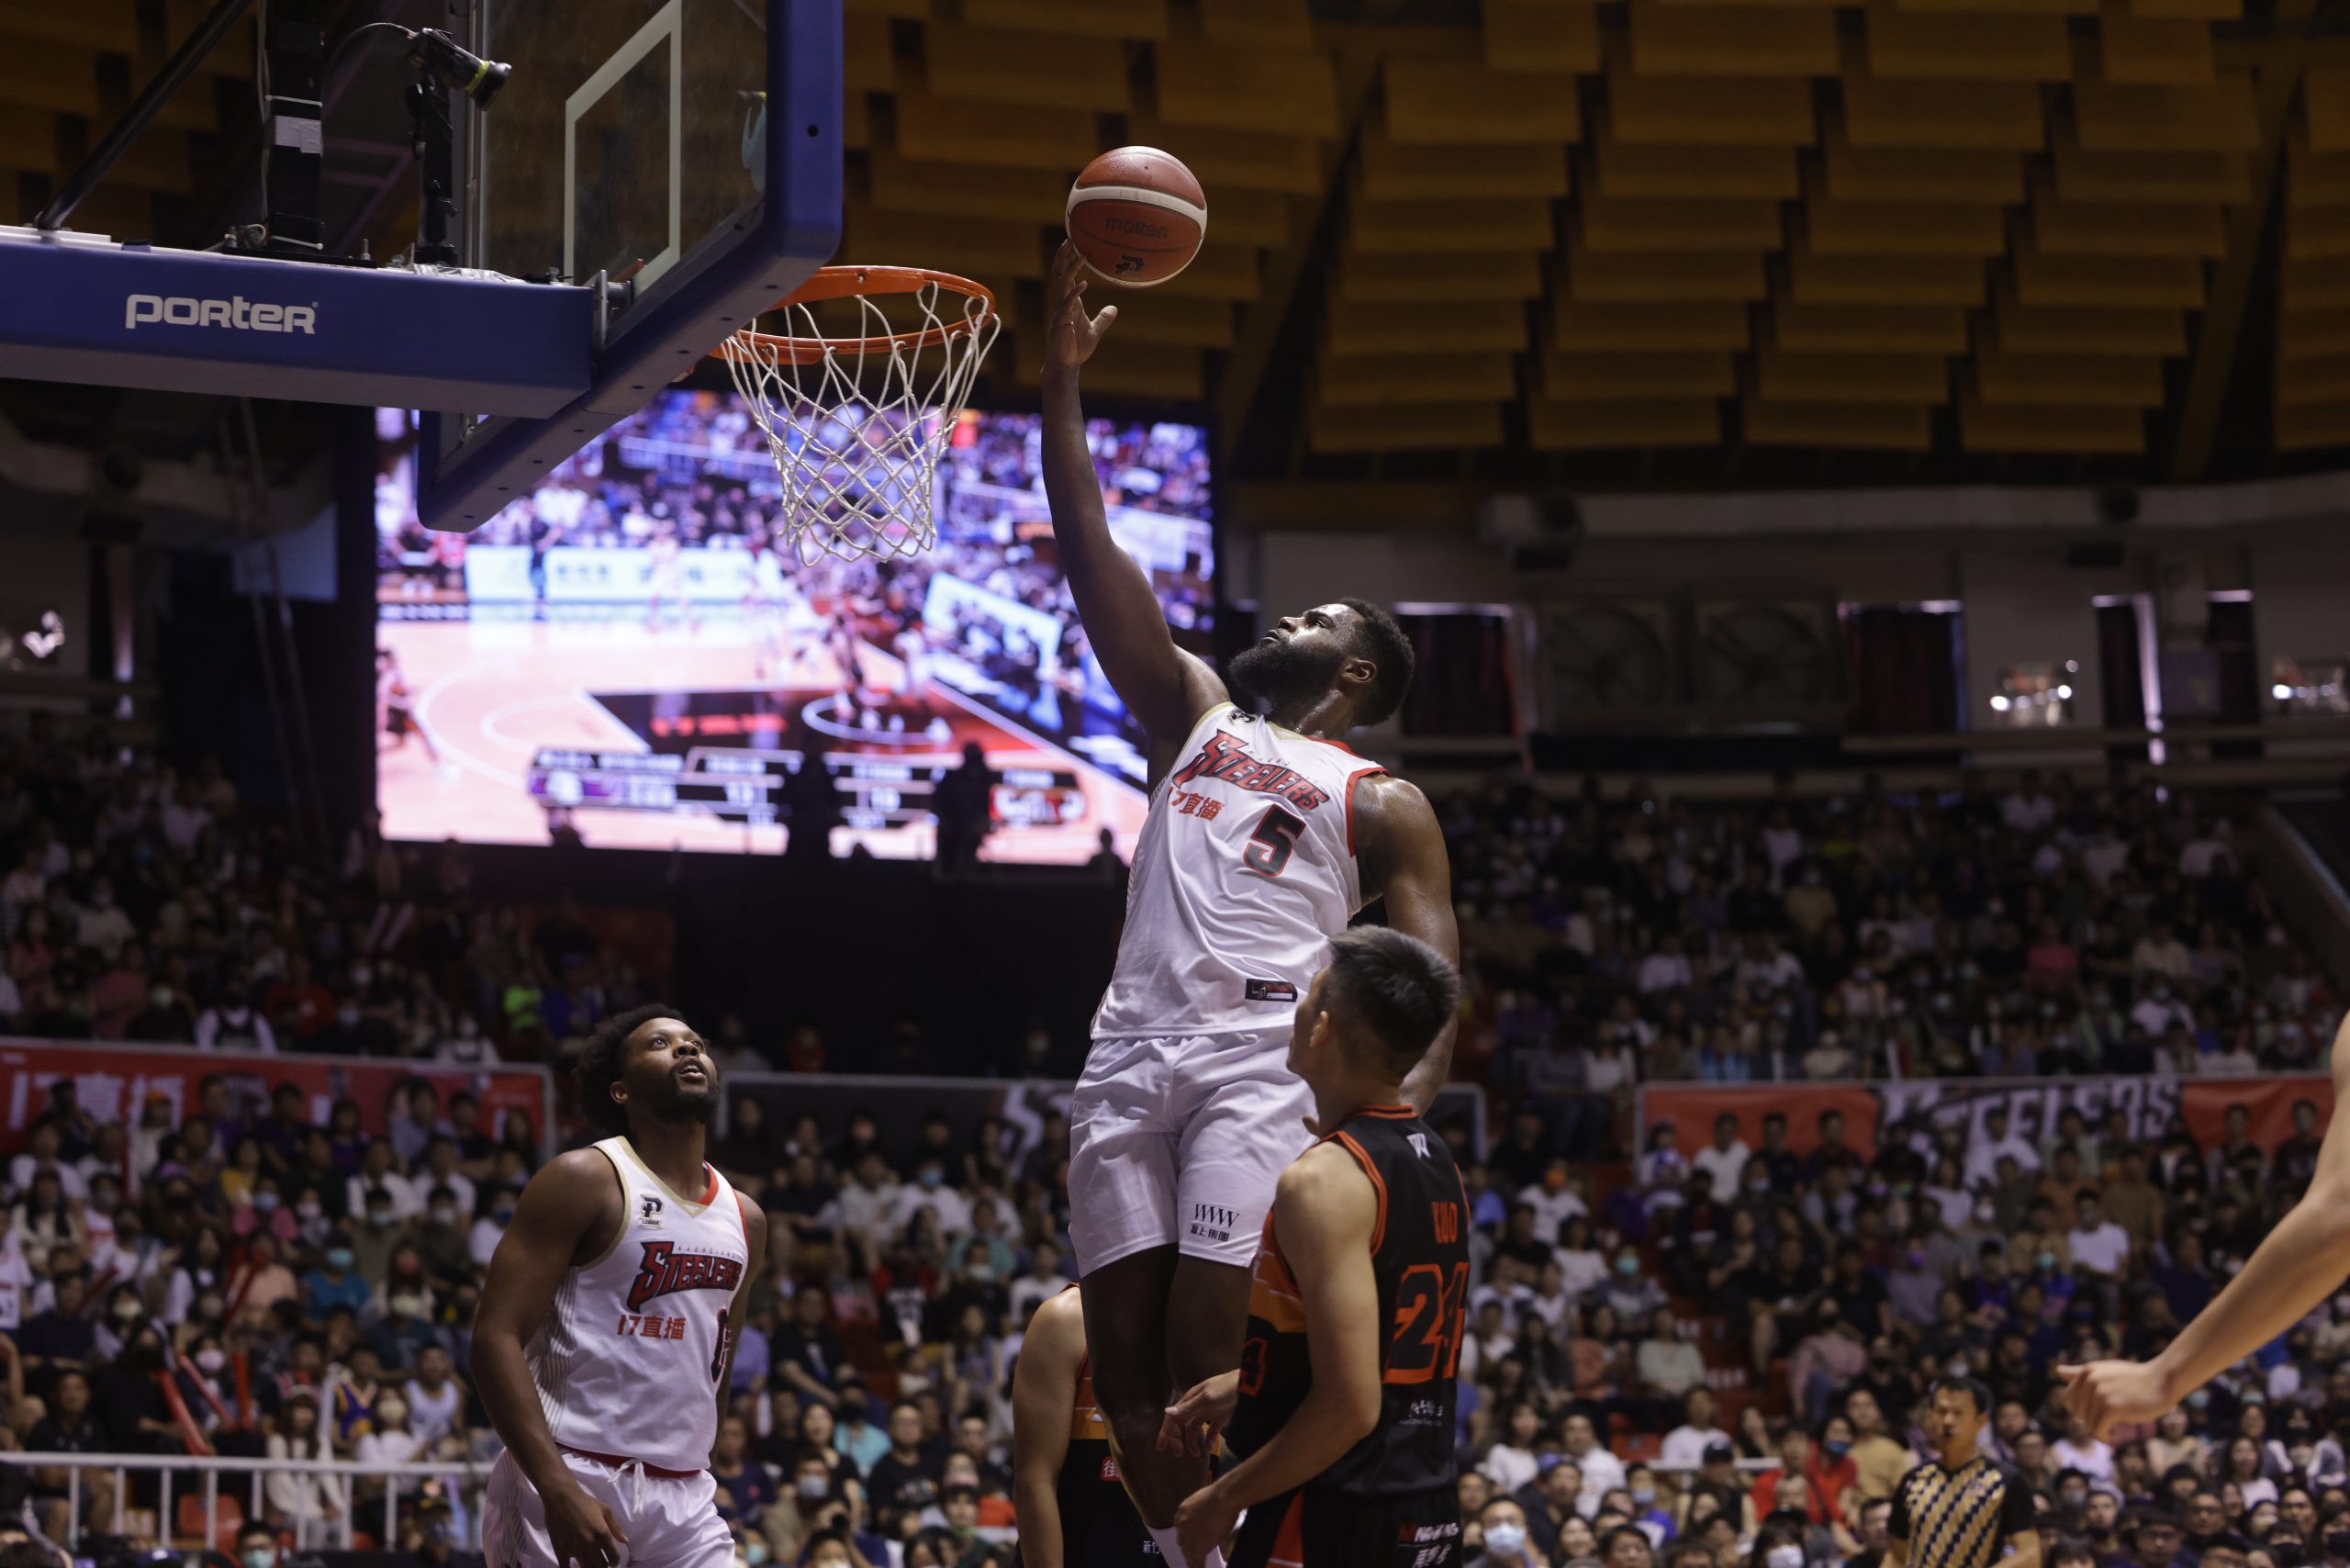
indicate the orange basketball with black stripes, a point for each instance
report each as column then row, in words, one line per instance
column 1137, row 216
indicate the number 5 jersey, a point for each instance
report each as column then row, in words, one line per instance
column 1244, row 870
column 1419, row 1254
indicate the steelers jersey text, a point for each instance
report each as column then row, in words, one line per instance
column 1224, row 759
column 665, row 1270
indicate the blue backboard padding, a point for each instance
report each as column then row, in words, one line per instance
column 199, row 322
column 776, row 246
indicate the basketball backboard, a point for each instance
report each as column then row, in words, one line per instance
column 688, row 150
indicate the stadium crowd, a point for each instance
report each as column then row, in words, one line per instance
column 2047, row 930
column 1709, row 1356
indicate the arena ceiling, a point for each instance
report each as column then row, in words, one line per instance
column 1745, row 242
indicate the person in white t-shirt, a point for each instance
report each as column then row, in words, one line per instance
column 1685, row 1445
column 1601, row 1471
column 1982, row 1158
column 1510, row 1464
column 1554, row 1200
column 1724, row 1159
column 435, row 1401
column 2097, row 1244
column 2079, row 1450
column 2202, row 853
column 1667, row 968
column 1767, row 966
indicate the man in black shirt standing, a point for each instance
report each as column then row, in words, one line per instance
column 1965, row 1509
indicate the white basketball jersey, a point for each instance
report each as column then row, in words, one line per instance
column 1245, row 871
column 626, row 1363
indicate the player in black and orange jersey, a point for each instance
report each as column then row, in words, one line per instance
column 1342, row 1407
column 1072, row 1507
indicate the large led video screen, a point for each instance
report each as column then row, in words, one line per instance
column 629, row 655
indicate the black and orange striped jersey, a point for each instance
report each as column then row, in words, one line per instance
column 1419, row 1252
column 1100, row 1527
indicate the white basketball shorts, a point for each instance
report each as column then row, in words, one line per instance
column 670, row 1521
column 1178, row 1139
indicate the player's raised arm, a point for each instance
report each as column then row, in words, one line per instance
column 1324, row 1215
column 574, row 1199
column 1166, row 688
column 2300, row 1262
column 1044, row 1386
column 1408, row 865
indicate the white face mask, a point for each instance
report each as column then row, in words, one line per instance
column 1784, row 1557
column 1505, row 1540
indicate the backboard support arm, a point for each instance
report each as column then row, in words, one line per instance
column 225, row 14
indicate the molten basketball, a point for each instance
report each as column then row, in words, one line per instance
column 1137, row 216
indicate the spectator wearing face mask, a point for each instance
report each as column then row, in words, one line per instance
column 335, row 1283
column 1506, row 1543
column 390, row 1440
column 1776, row 1545
column 929, row 1189
column 401, row 1335
column 257, row 1545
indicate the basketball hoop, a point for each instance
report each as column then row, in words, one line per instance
column 855, row 422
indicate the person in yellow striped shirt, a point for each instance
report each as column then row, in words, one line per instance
column 1965, row 1509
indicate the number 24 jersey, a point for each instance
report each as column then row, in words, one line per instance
column 1419, row 1255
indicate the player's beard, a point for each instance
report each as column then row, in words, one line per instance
column 675, row 1103
column 1280, row 672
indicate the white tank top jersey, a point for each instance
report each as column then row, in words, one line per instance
column 1244, row 870
column 626, row 1363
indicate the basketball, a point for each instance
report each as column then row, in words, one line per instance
column 1137, row 216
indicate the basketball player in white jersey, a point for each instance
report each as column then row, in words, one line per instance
column 1265, row 836
column 605, row 1332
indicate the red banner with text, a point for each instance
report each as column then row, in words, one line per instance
column 2032, row 1106
column 114, row 1081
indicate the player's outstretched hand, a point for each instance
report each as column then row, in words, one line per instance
column 2107, row 1394
column 1193, row 1423
column 1073, row 334
column 583, row 1530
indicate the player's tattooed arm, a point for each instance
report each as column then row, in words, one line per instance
column 1167, row 688
column 1405, row 861
column 754, row 1233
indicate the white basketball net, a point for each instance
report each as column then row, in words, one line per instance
column 857, row 433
